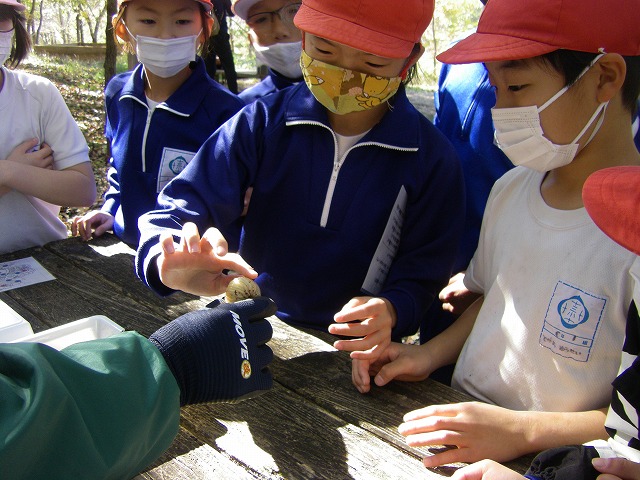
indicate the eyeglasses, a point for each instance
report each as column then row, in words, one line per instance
column 7, row 25
column 263, row 20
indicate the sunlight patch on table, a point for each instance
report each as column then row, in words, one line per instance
column 203, row 463
column 365, row 453
column 111, row 250
column 238, row 443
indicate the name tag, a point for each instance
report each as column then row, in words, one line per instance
column 571, row 322
column 172, row 163
column 387, row 248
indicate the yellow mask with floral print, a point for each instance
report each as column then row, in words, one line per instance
column 344, row 91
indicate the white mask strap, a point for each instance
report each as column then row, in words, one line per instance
column 601, row 108
column 566, row 87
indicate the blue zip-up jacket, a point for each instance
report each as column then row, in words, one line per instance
column 314, row 223
column 148, row 144
column 274, row 82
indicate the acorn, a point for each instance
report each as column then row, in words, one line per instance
column 241, row 288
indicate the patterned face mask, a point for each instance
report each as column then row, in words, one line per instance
column 344, row 91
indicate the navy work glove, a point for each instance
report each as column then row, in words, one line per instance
column 219, row 354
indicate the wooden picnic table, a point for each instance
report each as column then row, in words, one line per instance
column 313, row 424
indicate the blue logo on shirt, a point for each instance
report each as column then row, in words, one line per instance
column 177, row 164
column 573, row 312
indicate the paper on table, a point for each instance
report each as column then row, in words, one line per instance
column 22, row 272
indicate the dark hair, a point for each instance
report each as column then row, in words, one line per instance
column 412, row 73
column 21, row 39
column 570, row 63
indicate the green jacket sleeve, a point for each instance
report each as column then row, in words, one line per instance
column 102, row 409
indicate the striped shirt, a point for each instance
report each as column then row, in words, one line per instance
column 622, row 418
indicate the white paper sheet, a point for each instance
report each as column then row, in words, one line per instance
column 22, row 272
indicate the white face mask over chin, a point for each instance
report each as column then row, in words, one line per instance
column 6, row 44
column 166, row 57
column 518, row 133
column 284, row 58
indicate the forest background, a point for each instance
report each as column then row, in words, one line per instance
column 81, row 79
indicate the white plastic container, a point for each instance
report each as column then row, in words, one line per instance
column 85, row 329
column 12, row 325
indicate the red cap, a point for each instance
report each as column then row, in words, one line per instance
column 612, row 199
column 515, row 30
column 13, row 3
column 208, row 6
column 383, row 27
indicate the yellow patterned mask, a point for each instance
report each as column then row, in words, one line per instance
column 344, row 91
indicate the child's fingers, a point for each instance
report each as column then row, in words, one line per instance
column 360, row 375
column 390, row 371
column 166, row 242
column 618, row 467
column 233, row 261
column 216, row 240
column 191, row 237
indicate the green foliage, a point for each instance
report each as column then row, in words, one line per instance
column 452, row 18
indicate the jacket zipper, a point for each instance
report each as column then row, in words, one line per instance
column 337, row 165
column 148, row 125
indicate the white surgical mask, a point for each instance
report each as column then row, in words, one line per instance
column 284, row 58
column 518, row 133
column 6, row 43
column 166, row 57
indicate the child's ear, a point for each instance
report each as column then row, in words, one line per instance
column 412, row 60
column 612, row 70
column 416, row 56
column 121, row 32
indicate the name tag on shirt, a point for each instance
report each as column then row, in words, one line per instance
column 387, row 248
column 571, row 322
column 172, row 163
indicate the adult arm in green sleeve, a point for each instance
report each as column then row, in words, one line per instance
column 106, row 409
column 101, row 409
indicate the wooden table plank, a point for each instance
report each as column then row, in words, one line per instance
column 283, row 435
column 312, row 424
column 190, row 459
column 299, row 352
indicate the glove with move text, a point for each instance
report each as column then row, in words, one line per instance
column 219, row 354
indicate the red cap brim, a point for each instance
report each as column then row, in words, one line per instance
column 485, row 47
column 612, row 199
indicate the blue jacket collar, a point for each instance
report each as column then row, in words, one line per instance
column 399, row 127
column 184, row 101
column 281, row 82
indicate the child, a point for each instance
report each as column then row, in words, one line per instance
column 44, row 157
column 159, row 114
column 357, row 200
column 612, row 199
column 544, row 337
column 276, row 42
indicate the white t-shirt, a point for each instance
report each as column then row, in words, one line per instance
column 32, row 107
column 549, row 334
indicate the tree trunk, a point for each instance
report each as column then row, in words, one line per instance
column 79, row 30
column 36, row 39
column 112, row 49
